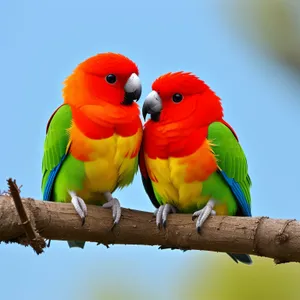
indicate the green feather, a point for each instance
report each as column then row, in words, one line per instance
column 71, row 173
column 56, row 141
column 232, row 160
column 55, row 147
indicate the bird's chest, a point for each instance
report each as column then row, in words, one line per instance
column 108, row 163
column 179, row 180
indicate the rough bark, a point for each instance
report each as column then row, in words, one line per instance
column 273, row 238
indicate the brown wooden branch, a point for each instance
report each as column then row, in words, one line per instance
column 34, row 239
column 273, row 238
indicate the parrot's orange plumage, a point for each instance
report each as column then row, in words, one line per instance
column 191, row 160
column 182, row 122
column 95, row 103
column 93, row 139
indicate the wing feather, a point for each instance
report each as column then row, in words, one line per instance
column 56, row 148
column 232, row 163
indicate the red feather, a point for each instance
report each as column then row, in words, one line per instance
column 183, row 126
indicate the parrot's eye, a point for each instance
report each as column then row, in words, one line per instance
column 111, row 78
column 177, row 98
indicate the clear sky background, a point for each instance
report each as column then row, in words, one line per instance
column 42, row 42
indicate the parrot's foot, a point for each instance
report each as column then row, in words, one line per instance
column 79, row 206
column 203, row 214
column 162, row 214
column 115, row 206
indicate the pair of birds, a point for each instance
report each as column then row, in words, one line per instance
column 189, row 157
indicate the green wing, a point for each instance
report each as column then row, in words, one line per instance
column 232, row 163
column 55, row 147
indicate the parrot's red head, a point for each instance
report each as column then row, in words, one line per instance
column 105, row 77
column 180, row 96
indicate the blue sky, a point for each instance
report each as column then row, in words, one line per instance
column 40, row 45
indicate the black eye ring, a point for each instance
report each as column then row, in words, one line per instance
column 177, row 98
column 111, row 78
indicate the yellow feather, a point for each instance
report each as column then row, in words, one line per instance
column 173, row 176
column 109, row 164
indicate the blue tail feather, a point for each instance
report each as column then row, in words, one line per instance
column 245, row 209
column 76, row 244
column 50, row 181
column 243, row 258
column 238, row 193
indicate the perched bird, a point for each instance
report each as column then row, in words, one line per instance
column 93, row 138
column 190, row 159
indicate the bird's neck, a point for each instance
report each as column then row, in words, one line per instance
column 172, row 140
column 98, row 122
column 90, row 128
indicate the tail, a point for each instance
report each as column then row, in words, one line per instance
column 76, row 244
column 243, row 258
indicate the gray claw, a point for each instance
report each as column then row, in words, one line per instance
column 162, row 214
column 203, row 214
column 114, row 205
column 159, row 212
column 79, row 206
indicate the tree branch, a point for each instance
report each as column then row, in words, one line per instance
column 273, row 238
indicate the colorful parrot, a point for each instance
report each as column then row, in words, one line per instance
column 93, row 138
column 190, row 159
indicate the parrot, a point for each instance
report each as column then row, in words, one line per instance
column 190, row 159
column 93, row 138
